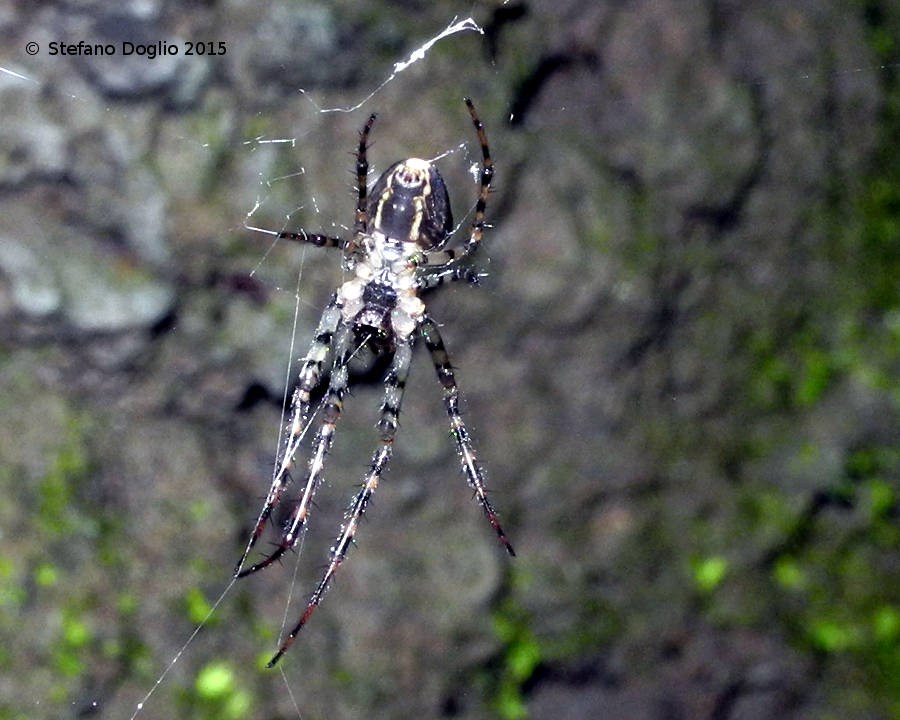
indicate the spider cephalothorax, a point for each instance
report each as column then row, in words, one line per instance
column 396, row 252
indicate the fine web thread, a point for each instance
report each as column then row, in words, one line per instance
column 177, row 656
column 466, row 25
column 284, row 409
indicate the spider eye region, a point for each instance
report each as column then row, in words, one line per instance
column 409, row 202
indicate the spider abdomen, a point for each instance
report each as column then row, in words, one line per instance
column 409, row 202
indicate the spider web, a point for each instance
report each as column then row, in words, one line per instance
column 266, row 186
column 267, row 196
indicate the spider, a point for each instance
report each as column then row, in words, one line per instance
column 396, row 252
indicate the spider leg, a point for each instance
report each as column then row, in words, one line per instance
column 487, row 174
column 330, row 326
column 444, row 257
column 455, row 273
column 316, row 239
column 362, row 173
column 394, row 384
column 354, row 250
column 441, row 360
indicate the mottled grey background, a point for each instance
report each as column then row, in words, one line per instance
column 681, row 372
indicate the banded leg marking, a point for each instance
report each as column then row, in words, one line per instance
column 445, row 257
column 331, row 411
column 316, row 239
column 487, row 175
column 395, row 383
column 474, row 476
column 456, row 273
column 310, row 375
column 362, row 174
